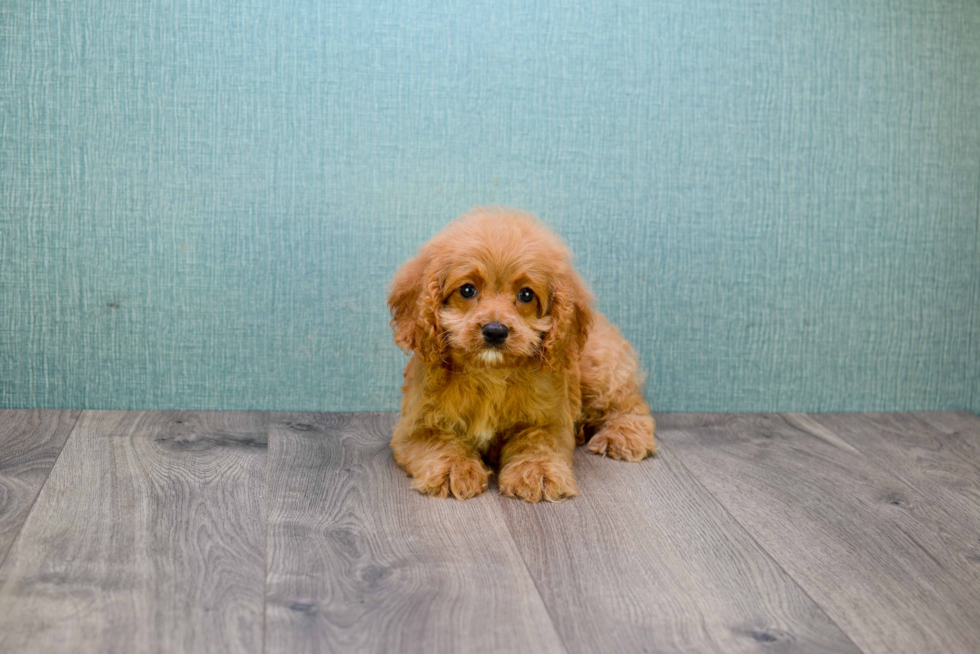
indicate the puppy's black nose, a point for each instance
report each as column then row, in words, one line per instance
column 494, row 333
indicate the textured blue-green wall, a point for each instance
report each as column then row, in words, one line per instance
column 201, row 203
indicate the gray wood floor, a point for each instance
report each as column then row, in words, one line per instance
column 289, row 532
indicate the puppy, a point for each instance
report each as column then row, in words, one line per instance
column 510, row 364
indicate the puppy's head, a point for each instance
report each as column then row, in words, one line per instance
column 494, row 288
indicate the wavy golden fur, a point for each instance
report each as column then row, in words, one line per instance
column 561, row 372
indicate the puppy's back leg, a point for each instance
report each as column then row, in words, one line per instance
column 613, row 408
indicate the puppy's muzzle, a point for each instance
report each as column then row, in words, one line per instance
column 494, row 333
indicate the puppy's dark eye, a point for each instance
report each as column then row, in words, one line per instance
column 525, row 295
column 467, row 291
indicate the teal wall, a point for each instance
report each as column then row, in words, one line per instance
column 201, row 203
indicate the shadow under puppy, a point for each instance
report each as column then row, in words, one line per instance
column 511, row 365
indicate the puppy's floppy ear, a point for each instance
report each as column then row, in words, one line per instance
column 414, row 302
column 571, row 315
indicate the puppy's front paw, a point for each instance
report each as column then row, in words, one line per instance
column 625, row 437
column 464, row 478
column 538, row 479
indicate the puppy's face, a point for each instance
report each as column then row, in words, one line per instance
column 495, row 310
column 493, row 289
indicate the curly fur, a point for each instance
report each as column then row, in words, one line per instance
column 564, row 372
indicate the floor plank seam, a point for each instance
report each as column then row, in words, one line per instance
column 20, row 528
column 265, row 575
column 537, row 589
column 769, row 554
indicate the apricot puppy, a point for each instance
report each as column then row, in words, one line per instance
column 510, row 364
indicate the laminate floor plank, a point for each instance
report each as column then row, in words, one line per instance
column 961, row 423
column 149, row 536
column 359, row 562
column 937, row 454
column 862, row 542
column 645, row 560
column 792, row 532
column 30, row 441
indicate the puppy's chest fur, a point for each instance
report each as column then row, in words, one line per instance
column 494, row 402
column 489, row 411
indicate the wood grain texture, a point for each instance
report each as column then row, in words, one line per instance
column 864, row 544
column 937, row 454
column 962, row 430
column 645, row 560
column 147, row 537
column 30, row 441
column 359, row 562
